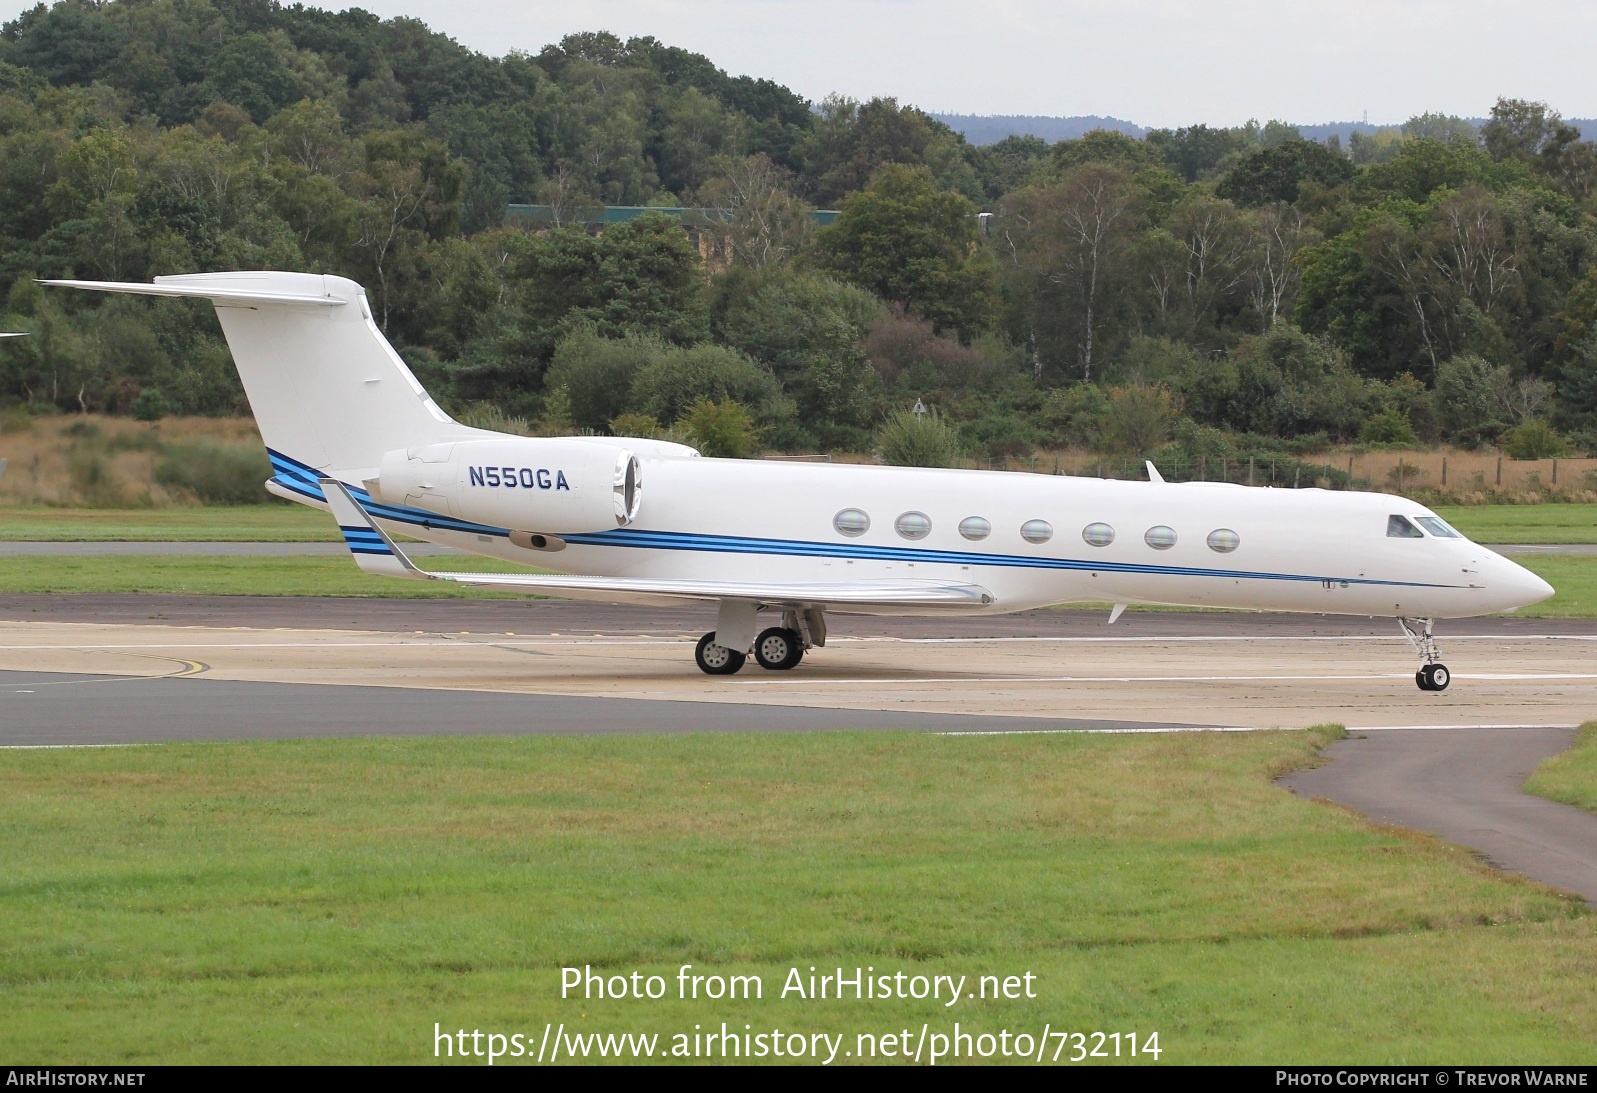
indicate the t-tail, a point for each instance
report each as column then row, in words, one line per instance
column 328, row 391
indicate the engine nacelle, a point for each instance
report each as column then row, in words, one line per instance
column 525, row 484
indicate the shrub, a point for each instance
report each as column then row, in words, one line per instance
column 1076, row 415
column 1389, row 428
column 216, row 474
column 1404, row 475
column 1534, row 440
column 93, row 481
column 486, row 415
column 1139, row 418
column 720, row 430
column 668, row 387
column 16, row 420
column 908, row 439
column 636, row 425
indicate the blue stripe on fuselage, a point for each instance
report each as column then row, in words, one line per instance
column 302, row 479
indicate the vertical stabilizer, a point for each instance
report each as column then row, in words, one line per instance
column 326, row 388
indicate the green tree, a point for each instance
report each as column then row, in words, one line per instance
column 597, row 373
column 1069, row 246
column 809, row 331
column 909, row 242
column 666, row 386
column 1277, row 173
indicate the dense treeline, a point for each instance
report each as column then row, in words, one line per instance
column 1225, row 289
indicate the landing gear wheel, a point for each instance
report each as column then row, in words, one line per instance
column 717, row 660
column 778, row 649
column 1433, row 677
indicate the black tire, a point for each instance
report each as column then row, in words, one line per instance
column 717, row 660
column 778, row 649
column 1433, row 677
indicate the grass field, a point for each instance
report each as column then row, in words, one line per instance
column 1572, row 776
column 331, row 900
column 220, row 524
column 295, row 575
column 1575, row 578
column 1569, row 523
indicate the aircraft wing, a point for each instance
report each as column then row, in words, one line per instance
column 376, row 553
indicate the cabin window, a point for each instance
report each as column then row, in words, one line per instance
column 1224, row 540
column 1098, row 535
column 1398, row 527
column 975, row 527
column 851, row 522
column 1160, row 537
column 913, row 525
column 1036, row 531
column 1437, row 527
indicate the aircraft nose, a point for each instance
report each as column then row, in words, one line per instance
column 1518, row 586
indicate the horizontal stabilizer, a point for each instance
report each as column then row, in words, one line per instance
column 240, row 292
column 376, row 553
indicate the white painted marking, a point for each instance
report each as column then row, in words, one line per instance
column 1390, row 728
column 627, row 642
column 920, row 680
column 1066, row 639
column 54, row 747
column 1230, row 728
column 1110, row 732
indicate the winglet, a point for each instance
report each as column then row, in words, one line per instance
column 1116, row 613
column 374, row 551
column 1153, row 473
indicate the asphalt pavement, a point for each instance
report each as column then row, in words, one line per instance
column 1464, row 785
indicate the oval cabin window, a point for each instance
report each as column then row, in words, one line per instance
column 1036, row 531
column 974, row 527
column 1160, row 538
column 1224, row 540
column 913, row 525
column 851, row 522
column 1098, row 535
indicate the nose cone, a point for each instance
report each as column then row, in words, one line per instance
column 1512, row 585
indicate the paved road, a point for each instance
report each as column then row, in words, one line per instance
column 1464, row 785
column 1461, row 784
column 570, row 617
column 1547, row 548
column 55, row 709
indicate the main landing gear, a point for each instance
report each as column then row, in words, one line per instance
column 776, row 649
column 1433, row 675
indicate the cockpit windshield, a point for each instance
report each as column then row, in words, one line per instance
column 1437, row 527
column 1398, row 527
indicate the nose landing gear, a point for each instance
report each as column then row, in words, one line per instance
column 1433, row 675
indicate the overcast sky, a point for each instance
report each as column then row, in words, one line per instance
column 1154, row 62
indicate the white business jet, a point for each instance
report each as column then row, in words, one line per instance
column 350, row 429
